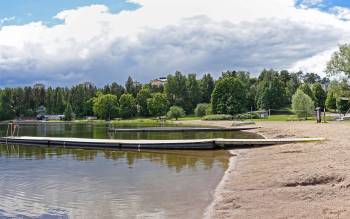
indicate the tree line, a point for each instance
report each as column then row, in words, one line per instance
column 234, row 92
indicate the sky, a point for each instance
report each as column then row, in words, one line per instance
column 65, row 42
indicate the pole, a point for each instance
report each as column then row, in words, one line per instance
column 324, row 115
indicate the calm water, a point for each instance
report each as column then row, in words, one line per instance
column 42, row 182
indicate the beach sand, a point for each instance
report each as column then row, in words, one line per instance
column 303, row 180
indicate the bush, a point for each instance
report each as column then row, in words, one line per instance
column 247, row 116
column 202, row 109
column 218, row 117
column 176, row 112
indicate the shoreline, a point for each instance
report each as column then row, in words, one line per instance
column 302, row 180
column 208, row 212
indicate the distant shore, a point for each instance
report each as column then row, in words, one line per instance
column 304, row 180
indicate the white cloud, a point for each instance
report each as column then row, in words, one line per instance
column 341, row 12
column 167, row 35
column 6, row 19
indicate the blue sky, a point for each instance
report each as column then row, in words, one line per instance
column 25, row 11
column 324, row 5
column 156, row 37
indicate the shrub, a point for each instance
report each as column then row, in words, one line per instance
column 201, row 109
column 176, row 112
column 247, row 116
column 218, row 117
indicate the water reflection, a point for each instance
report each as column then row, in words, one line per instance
column 171, row 158
column 49, row 182
column 88, row 130
column 43, row 182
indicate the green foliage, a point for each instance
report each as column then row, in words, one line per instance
column 127, row 105
column 177, row 92
column 340, row 61
column 176, row 112
column 307, row 90
column 311, row 78
column 271, row 94
column 217, row 117
column 319, row 94
column 114, row 89
column 194, row 92
column 302, row 104
column 157, row 104
column 106, row 106
column 331, row 101
column 78, row 98
column 130, row 87
column 68, row 113
column 207, row 85
column 6, row 106
column 236, row 92
column 247, row 116
column 141, row 99
column 343, row 105
column 202, row 109
column 229, row 96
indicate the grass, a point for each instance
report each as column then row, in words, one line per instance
column 188, row 118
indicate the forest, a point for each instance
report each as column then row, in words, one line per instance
column 234, row 92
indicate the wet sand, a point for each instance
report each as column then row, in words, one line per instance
column 304, row 180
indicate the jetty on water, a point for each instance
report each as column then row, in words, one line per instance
column 201, row 144
column 181, row 129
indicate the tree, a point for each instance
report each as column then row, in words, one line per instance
column 207, row 85
column 117, row 89
column 176, row 90
column 194, row 92
column 343, row 105
column 331, row 101
column 271, row 93
column 340, row 61
column 106, row 106
column 132, row 87
column 141, row 99
column 292, row 85
column 229, row 96
column 319, row 94
column 68, row 113
column 176, row 112
column 201, row 109
column 157, row 104
column 307, row 90
column 127, row 104
column 6, row 105
column 311, row 78
column 302, row 104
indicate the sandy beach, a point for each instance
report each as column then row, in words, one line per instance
column 304, row 180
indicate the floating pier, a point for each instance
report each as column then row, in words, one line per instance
column 200, row 144
column 181, row 129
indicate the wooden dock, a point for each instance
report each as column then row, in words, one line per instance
column 200, row 144
column 181, row 129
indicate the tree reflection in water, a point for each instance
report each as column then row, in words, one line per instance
column 173, row 159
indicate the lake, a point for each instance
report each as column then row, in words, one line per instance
column 44, row 182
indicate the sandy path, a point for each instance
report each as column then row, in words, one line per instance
column 288, row 181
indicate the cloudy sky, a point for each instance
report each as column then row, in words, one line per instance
column 63, row 42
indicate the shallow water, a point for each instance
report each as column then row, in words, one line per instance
column 43, row 182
